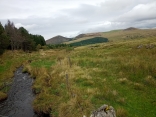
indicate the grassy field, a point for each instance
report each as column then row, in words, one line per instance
column 76, row 82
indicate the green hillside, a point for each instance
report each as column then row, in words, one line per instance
column 121, row 35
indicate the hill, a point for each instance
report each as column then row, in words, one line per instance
column 130, row 28
column 118, row 35
column 88, row 35
column 57, row 40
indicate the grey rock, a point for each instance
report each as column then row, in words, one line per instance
column 140, row 46
column 104, row 111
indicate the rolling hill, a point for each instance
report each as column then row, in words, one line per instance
column 118, row 35
column 114, row 35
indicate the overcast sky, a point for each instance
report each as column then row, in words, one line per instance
column 72, row 17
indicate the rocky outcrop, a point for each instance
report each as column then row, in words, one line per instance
column 104, row 111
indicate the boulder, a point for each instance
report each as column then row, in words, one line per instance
column 104, row 111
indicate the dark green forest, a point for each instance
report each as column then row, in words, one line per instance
column 90, row 41
column 12, row 38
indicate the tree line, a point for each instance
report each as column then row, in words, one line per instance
column 13, row 38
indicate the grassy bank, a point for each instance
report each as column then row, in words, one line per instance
column 76, row 82
column 9, row 61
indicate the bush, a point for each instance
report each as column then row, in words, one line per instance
column 38, row 47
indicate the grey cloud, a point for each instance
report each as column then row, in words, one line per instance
column 139, row 13
column 50, row 26
column 69, row 17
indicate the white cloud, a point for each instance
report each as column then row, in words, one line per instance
column 25, row 26
column 140, row 12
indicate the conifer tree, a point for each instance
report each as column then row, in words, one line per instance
column 11, row 33
column 4, row 41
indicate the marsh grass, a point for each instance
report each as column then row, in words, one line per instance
column 150, row 81
column 121, row 112
column 138, row 86
column 9, row 63
column 3, row 96
column 119, row 70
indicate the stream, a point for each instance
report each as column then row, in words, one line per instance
column 20, row 97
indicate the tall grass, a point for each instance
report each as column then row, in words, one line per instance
column 122, row 67
column 9, row 61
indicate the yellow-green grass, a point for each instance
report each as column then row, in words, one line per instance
column 117, row 73
column 124, row 68
column 9, row 61
column 74, row 83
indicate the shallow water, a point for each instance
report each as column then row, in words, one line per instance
column 20, row 97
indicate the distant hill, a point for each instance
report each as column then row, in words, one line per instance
column 114, row 35
column 80, row 36
column 130, row 28
column 117, row 35
column 88, row 35
column 58, row 40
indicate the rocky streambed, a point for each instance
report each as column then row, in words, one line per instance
column 20, row 97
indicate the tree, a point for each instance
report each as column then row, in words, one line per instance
column 11, row 33
column 20, row 38
column 4, row 41
column 42, row 41
column 38, row 39
column 27, row 42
